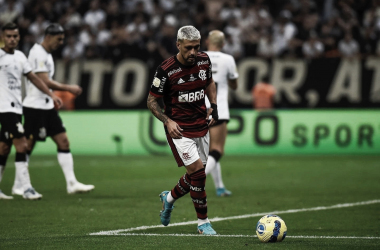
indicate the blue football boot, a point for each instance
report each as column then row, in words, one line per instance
column 206, row 229
column 222, row 192
column 166, row 209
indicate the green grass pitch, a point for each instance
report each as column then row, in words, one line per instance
column 126, row 196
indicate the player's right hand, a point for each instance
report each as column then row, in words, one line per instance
column 174, row 129
column 75, row 89
column 57, row 101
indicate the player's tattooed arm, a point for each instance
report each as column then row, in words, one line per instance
column 156, row 110
column 172, row 127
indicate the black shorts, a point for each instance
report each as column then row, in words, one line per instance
column 11, row 127
column 40, row 123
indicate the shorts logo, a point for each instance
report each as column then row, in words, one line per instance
column 174, row 71
column 202, row 74
column 186, row 156
column 20, row 128
column 156, row 82
column 191, row 96
column 42, row 133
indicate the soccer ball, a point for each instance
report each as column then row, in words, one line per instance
column 271, row 228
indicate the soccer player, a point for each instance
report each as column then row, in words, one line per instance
column 182, row 81
column 225, row 75
column 13, row 65
column 41, row 118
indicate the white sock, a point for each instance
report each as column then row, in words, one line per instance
column 217, row 176
column 210, row 165
column 66, row 162
column 201, row 222
column 2, row 168
column 22, row 173
column 170, row 198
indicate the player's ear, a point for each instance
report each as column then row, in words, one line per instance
column 177, row 43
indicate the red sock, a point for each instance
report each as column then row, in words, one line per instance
column 182, row 187
column 198, row 193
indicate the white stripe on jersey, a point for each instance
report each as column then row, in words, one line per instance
column 41, row 61
column 223, row 69
column 12, row 68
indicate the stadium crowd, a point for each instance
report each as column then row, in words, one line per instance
column 146, row 29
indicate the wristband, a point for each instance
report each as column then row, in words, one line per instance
column 214, row 113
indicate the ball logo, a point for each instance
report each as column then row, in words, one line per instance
column 260, row 229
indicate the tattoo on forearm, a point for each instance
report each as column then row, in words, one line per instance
column 156, row 109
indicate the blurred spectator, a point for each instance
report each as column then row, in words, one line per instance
column 72, row 50
column 71, row 19
column 104, row 35
column 135, row 23
column 312, row 48
column 94, row 15
column 85, row 35
column 114, row 14
column 230, row 10
column 11, row 10
column 266, row 47
column 232, row 47
column 263, row 95
column 348, row 47
column 37, row 28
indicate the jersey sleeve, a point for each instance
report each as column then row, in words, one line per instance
column 209, row 73
column 38, row 63
column 232, row 70
column 158, row 83
column 26, row 67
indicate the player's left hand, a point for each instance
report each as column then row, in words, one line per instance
column 213, row 111
column 75, row 89
column 57, row 101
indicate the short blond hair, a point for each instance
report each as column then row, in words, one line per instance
column 188, row 33
column 217, row 38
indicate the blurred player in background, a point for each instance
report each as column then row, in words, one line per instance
column 13, row 65
column 263, row 95
column 183, row 81
column 41, row 118
column 225, row 75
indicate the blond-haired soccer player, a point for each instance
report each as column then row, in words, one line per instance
column 225, row 76
column 183, row 81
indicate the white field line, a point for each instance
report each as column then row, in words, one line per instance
column 249, row 236
column 290, row 211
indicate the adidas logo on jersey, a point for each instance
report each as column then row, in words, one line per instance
column 180, row 81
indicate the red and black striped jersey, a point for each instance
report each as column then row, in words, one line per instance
column 183, row 89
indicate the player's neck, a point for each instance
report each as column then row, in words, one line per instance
column 8, row 50
column 44, row 45
column 213, row 48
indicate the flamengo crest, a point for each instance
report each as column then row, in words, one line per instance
column 202, row 74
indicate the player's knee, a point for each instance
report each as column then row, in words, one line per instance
column 64, row 144
column 216, row 154
column 21, row 146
